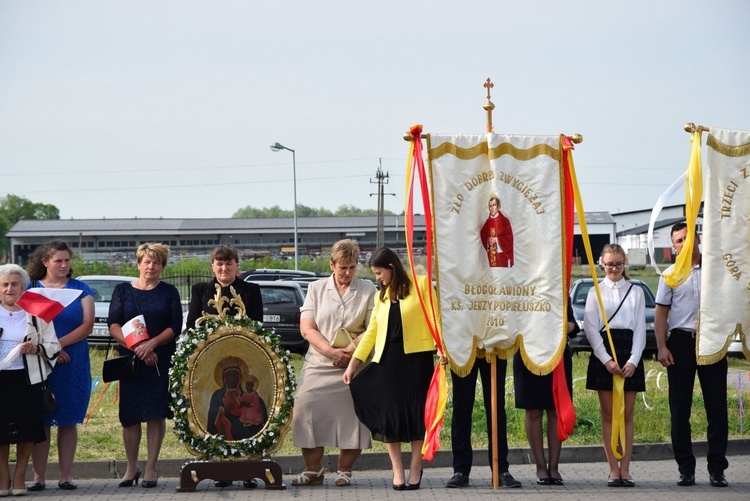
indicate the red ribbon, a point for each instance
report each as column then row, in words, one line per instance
column 566, row 413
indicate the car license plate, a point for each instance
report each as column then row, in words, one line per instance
column 272, row 318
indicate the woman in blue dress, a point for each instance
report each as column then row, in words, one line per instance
column 70, row 381
column 145, row 399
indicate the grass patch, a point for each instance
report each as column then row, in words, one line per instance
column 101, row 438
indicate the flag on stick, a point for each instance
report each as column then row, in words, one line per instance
column 47, row 303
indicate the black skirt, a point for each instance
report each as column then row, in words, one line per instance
column 389, row 395
column 535, row 392
column 598, row 377
column 21, row 411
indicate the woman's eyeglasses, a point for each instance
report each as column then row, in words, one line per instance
column 613, row 266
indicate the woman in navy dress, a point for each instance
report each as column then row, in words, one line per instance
column 70, row 381
column 145, row 399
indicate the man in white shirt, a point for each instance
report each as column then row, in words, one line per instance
column 677, row 310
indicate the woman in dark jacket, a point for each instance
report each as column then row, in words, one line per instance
column 225, row 265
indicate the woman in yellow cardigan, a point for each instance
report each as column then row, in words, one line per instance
column 390, row 393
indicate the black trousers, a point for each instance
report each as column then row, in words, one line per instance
column 464, row 389
column 713, row 380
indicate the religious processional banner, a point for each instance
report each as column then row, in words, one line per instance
column 725, row 243
column 498, row 219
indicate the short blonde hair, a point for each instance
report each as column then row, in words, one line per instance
column 156, row 251
column 346, row 250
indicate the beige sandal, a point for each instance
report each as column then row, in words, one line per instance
column 309, row 478
column 343, row 478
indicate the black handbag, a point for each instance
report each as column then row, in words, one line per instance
column 120, row 368
column 123, row 367
column 49, row 402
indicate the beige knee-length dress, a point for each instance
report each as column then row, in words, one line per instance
column 323, row 408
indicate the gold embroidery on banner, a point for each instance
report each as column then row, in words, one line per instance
column 494, row 153
column 727, row 150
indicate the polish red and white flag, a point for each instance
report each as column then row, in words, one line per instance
column 47, row 303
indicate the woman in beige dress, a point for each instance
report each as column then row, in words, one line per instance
column 323, row 409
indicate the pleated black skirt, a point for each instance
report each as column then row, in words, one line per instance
column 389, row 395
column 599, row 378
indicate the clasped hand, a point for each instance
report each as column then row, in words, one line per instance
column 626, row 370
column 341, row 356
column 145, row 351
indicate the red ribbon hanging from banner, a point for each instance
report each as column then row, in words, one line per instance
column 437, row 393
column 566, row 413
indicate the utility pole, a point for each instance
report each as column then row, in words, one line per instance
column 381, row 179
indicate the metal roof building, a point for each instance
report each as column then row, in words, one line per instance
column 116, row 239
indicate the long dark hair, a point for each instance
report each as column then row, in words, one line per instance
column 400, row 283
column 36, row 268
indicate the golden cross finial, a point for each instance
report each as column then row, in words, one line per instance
column 488, row 106
column 488, row 85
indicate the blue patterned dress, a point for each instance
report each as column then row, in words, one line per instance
column 71, row 382
column 147, row 397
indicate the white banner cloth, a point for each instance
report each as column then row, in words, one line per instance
column 725, row 283
column 500, row 276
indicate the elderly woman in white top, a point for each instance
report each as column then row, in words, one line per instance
column 28, row 350
column 323, row 408
column 625, row 307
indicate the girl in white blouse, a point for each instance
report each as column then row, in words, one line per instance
column 625, row 307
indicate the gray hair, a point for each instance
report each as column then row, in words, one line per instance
column 14, row 269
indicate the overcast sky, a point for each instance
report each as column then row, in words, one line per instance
column 167, row 108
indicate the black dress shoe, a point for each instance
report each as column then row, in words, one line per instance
column 222, row 483
column 614, row 482
column 718, row 480
column 507, row 480
column 250, row 484
column 627, row 482
column 415, row 487
column 686, row 479
column 458, row 480
column 36, row 486
column 67, row 486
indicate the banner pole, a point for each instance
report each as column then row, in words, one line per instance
column 493, row 387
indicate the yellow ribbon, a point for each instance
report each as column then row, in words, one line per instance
column 693, row 196
column 618, row 382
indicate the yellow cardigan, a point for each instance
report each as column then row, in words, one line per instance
column 417, row 336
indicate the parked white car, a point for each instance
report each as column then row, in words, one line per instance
column 103, row 287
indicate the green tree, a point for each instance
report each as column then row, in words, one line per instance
column 250, row 212
column 14, row 208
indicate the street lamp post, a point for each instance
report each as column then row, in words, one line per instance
column 279, row 147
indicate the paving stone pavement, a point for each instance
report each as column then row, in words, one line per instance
column 655, row 480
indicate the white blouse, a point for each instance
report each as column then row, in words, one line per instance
column 631, row 316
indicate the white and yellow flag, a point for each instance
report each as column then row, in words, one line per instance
column 498, row 220
column 725, row 244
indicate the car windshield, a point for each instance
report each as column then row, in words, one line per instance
column 103, row 289
column 277, row 295
column 583, row 291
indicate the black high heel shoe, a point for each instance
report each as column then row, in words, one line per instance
column 398, row 487
column 129, row 482
column 148, row 484
column 414, row 487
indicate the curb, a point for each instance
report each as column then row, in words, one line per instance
column 380, row 461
